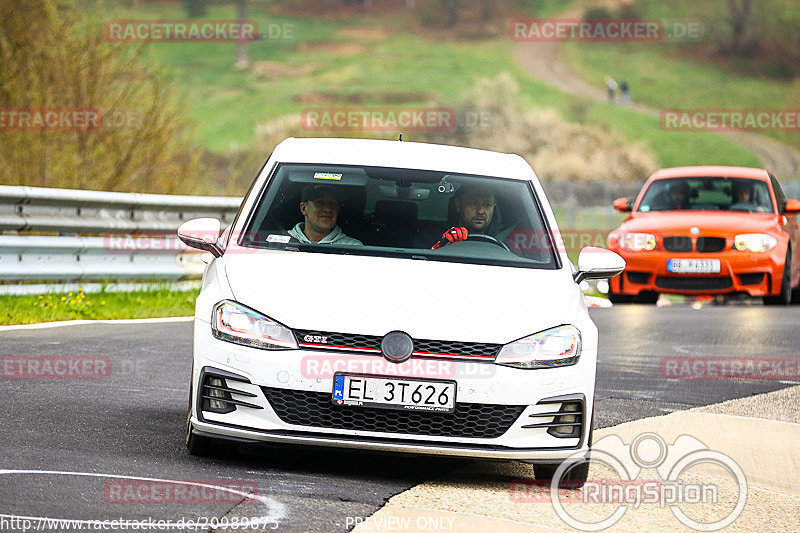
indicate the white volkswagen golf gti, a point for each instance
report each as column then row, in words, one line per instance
column 395, row 296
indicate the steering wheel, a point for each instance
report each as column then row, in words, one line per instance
column 480, row 237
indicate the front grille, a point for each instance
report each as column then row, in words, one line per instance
column 642, row 278
column 710, row 244
column 751, row 279
column 315, row 409
column 421, row 346
column 693, row 284
column 678, row 244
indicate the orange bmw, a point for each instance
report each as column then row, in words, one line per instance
column 708, row 230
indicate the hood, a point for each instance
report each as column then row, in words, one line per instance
column 721, row 222
column 426, row 299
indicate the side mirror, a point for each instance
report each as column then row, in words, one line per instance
column 598, row 263
column 623, row 204
column 201, row 233
column 792, row 207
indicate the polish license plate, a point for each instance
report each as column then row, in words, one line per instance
column 394, row 393
column 693, row 266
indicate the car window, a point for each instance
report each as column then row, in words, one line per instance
column 403, row 213
column 707, row 193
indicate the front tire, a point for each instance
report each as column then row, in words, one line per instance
column 616, row 298
column 574, row 478
column 786, row 295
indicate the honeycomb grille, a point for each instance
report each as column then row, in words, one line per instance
column 315, row 409
column 373, row 342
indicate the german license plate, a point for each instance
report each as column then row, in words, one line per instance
column 693, row 266
column 394, row 393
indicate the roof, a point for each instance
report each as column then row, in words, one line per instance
column 403, row 154
column 710, row 171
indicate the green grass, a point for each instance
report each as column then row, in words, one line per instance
column 227, row 104
column 156, row 303
column 666, row 76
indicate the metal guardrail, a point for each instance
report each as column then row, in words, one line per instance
column 136, row 242
column 76, row 211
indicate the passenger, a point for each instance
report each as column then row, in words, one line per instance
column 319, row 205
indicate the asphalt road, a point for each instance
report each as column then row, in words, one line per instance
column 75, row 432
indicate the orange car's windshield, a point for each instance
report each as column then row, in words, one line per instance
column 707, row 194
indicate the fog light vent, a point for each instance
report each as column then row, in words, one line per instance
column 566, row 422
column 217, row 396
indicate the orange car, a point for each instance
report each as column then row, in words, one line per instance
column 708, row 230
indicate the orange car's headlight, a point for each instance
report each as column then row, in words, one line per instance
column 637, row 242
column 754, row 242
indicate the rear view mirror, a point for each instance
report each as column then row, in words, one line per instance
column 598, row 263
column 201, row 233
column 623, row 204
column 792, row 207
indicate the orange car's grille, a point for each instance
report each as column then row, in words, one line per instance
column 703, row 244
column 710, row 244
column 678, row 244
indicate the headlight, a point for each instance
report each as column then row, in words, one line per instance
column 559, row 346
column 637, row 242
column 754, row 242
column 236, row 323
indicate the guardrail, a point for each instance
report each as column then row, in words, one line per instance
column 123, row 221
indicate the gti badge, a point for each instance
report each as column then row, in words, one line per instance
column 316, row 339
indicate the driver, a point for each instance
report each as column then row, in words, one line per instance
column 741, row 193
column 474, row 205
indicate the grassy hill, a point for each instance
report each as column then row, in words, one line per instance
column 378, row 60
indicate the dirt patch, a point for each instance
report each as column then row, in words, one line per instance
column 363, row 33
column 273, row 70
column 336, row 49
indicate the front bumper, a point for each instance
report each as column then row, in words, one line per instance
column 757, row 274
column 477, row 383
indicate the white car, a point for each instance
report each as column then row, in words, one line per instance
column 384, row 334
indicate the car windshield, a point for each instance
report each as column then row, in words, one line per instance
column 401, row 212
column 712, row 193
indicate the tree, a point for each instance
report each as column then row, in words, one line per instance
column 52, row 56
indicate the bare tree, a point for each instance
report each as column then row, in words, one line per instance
column 53, row 58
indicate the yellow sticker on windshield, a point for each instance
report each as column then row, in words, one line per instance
column 327, row 176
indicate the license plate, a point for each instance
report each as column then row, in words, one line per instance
column 394, row 393
column 693, row 266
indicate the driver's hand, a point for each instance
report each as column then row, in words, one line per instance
column 454, row 234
